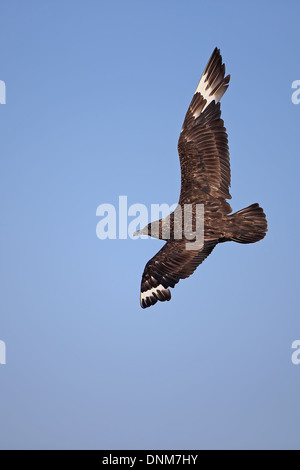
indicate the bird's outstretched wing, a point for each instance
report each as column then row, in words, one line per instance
column 203, row 142
column 172, row 263
column 205, row 178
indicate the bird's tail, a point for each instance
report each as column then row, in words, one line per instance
column 248, row 225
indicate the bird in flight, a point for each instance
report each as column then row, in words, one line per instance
column 205, row 180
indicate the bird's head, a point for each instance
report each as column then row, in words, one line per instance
column 143, row 231
column 153, row 230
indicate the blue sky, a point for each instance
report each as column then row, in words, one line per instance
column 96, row 96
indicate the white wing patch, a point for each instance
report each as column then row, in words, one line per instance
column 154, row 290
column 206, row 90
column 151, row 296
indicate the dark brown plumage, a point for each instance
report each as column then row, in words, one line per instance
column 205, row 179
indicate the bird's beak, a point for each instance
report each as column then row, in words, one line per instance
column 136, row 233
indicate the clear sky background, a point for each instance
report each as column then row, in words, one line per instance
column 96, row 96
